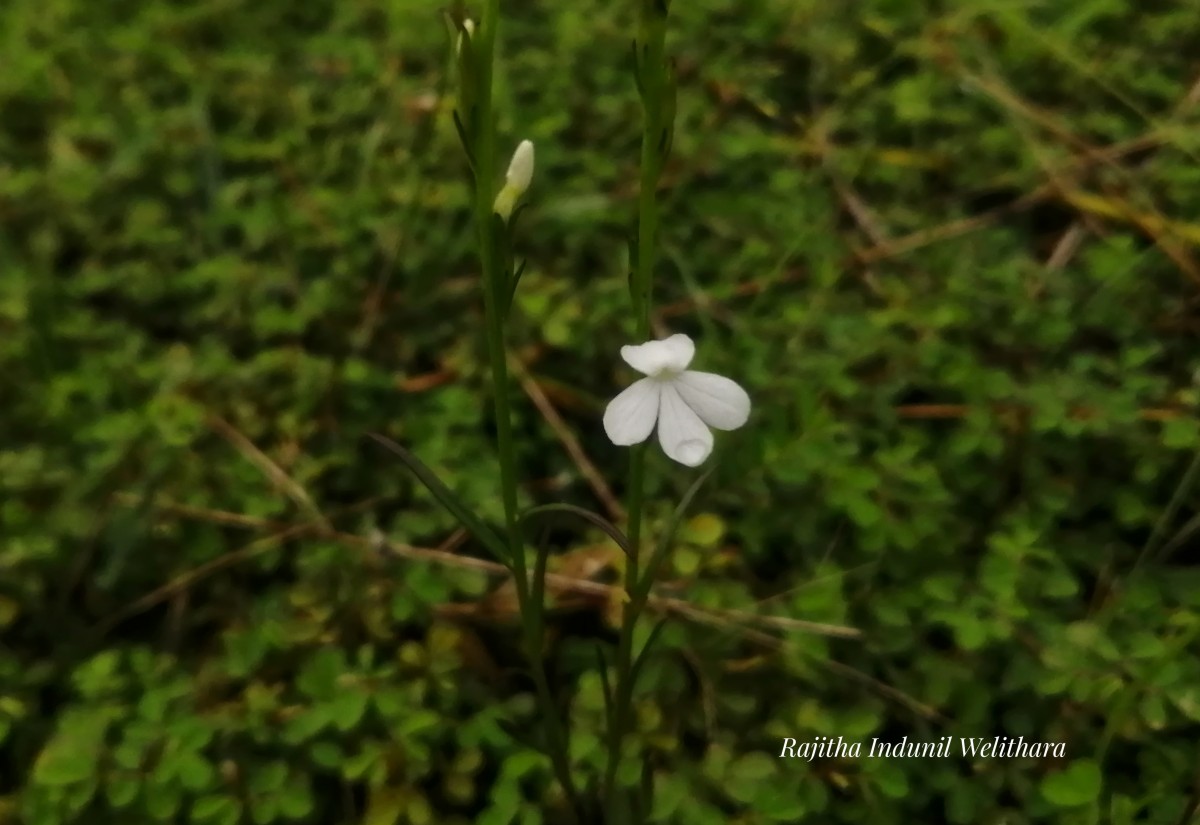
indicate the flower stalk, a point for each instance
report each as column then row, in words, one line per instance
column 655, row 82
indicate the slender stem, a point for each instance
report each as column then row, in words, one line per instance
column 647, row 199
column 1168, row 515
column 495, row 290
column 651, row 59
column 623, row 688
column 485, row 163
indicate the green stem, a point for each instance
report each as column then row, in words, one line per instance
column 624, row 665
column 495, row 287
column 485, row 164
column 653, row 77
column 648, row 203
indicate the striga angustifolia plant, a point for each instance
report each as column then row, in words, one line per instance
column 684, row 405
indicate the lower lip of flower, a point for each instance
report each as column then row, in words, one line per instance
column 692, row 452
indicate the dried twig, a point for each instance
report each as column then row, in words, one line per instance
column 570, row 443
column 951, row 411
column 378, row 543
column 269, row 468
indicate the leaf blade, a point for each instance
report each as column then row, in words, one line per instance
column 447, row 498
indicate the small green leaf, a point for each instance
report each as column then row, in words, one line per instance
column 162, row 800
column 357, row 766
column 753, row 767
column 348, row 708
column 307, row 724
column 384, row 806
column 748, row 774
column 319, row 676
column 215, row 807
column 269, row 778
column 970, row 633
column 419, row 811
column 296, row 802
column 216, row 810
column 264, row 809
column 687, row 561
column 890, row 778
column 417, row 723
column 521, row 763
column 703, row 529
column 194, row 771
column 121, row 790
column 1181, row 433
column 61, row 764
column 1078, row 785
column 327, row 754
column 669, row 794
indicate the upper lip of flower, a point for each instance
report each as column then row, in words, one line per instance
column 683, row 403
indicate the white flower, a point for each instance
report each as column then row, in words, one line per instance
column 682, row 402
column 516, row 180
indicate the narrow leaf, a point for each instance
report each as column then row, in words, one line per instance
column 517, row 211
column 1186, row 532
column 637, row 70
column 502, row 244
column 462, row 137
column 512, row 292
column 539, row 582
column 468, row 71
column 664, row 543
column 644, row 802
column 667, row 139
column 595, row 519
column 605, row 685
column 655, row 632
column 447, row 498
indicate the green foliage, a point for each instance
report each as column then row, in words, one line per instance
column 235, row 239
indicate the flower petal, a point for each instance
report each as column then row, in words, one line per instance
column 629, row 418
column 652, row 357
column 520, row 168
column 719, row 402
column 681, row 433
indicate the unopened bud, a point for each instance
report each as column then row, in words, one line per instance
column 520, row 168
column 516, row 180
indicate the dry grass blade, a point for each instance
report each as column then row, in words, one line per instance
column 570, row 443
column 185, row 581
column 886, row 690
column 953, row 411
column 737, row 620
column 274, row 473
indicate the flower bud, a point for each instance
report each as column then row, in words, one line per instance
column 520, row 169
column 516, row 180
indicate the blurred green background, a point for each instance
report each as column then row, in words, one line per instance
column 950, row 248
